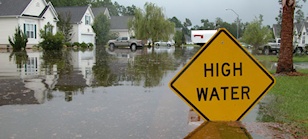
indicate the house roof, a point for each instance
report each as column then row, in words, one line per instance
column 119, row 22
column 76, row 13
column 276, row 30
column 98, row 10
column 298, row 26
column 13, row 7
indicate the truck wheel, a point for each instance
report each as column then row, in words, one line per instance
column 133, row 47
column 298, row 50
column 111, row 47
column 266, row 50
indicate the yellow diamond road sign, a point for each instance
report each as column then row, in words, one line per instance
column 223, row 81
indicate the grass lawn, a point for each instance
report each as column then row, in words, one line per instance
column 274, row 58
column 290, row 102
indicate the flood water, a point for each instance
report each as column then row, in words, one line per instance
column 94, row 93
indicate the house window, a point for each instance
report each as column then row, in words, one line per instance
column 88, row 20
column 30, row 30
column 49, row 28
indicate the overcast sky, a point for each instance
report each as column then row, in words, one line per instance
column 196, row 10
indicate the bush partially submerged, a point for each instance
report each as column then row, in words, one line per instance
column 19, row 41
column 52, row 42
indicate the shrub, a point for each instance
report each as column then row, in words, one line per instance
column 19, row 41
column 90, row 45
column 83, row 45
column 76, row 44
column 51, row 42
column 68, row 44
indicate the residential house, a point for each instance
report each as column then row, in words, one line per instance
column 276, row 30
column 303, row 40
column 82, row 19
column 99, row 10
column 296, row 33
column 30, row 15
column 119, row 25
column 300, row 36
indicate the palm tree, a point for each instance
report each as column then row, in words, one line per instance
column 285, row 62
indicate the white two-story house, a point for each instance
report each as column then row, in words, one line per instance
column 30, row 15
column 303, row 40
column 82, row 19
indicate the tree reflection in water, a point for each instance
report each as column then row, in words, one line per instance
column 59, row 63
column 150, row 68
column 20, row 58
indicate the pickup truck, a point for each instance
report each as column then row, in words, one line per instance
column 271, row 46
column 274, row 46
column 125, row 42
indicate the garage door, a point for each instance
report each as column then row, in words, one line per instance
column 87, row 38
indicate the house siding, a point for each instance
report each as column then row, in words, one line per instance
column 304, row 37
column 75, row 33
column 35, row 8
column 86, row 29
column 7, row 26
column 122, row 32
column 49, row 18
column 296, row 38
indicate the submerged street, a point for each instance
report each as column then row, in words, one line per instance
column 97, row 93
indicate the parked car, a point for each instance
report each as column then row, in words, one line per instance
column 274, row 46
column 271, row 46
column 125, row 42
column 164, row 43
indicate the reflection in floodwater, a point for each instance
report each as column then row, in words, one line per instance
column 215, row 130
column 47, row 73
column 107, row 93
column 219, row 130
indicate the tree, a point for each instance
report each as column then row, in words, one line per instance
column 101, row 27
column 19, row 41
column 65, row 26
column 207, row 25
column 176, row 22
column 179, row 38
column 299, row 14
column 151, row 23
column 108, row 4
column 285, row 61
column 51, row 41
column 256, row 34
column 187, row 22
column 222, row 24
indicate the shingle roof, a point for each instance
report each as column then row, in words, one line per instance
column 13, row 7
column 119, row 22
column 76, row 13
column 98, row 10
